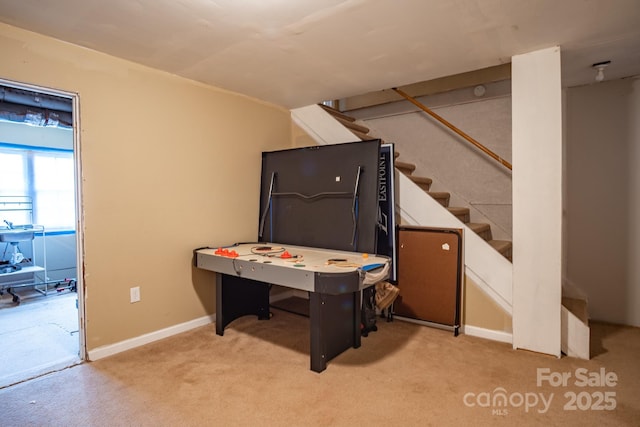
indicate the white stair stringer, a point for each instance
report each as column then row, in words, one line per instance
column 321, row 126
column 485, row 266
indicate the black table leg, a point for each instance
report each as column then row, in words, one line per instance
column 335, row 326
column 237, row 297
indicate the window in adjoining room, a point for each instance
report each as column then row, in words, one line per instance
column 45, row 175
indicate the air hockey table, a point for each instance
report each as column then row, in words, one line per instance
column 332, row 278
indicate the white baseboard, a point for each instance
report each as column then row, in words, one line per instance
column 109, row 350
column 470, row 330
column 489, row 334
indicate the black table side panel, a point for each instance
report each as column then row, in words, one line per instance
column 237, row 297
column 335, row 326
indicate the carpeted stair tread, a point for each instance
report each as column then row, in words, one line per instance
column 405, row 168
column 502, row 246
column 481, row 229
column 336, row 113
column 422, row 182
column 462, row 213
column 363, row 136
column 578, row 307
column 441, row 197
column 351, row 125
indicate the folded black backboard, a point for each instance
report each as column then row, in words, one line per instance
column 323, row 196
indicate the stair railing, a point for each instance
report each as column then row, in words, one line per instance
column 453, row 128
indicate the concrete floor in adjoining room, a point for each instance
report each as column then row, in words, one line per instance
column 37, row 336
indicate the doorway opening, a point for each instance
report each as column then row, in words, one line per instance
column 41, row 295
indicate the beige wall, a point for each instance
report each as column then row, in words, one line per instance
column 603, row 198
column 449, row 160
column 479, row 310
column 300, row 138
column 168, row 165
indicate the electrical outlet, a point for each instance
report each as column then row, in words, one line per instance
column 135, row 294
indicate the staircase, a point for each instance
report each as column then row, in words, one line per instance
column 490, row 270
column 483, row 230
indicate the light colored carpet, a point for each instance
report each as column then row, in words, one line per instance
column 258, row 374
column 37, row 336
column 294, row 305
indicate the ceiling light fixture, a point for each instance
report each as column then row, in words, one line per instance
column 600, row 66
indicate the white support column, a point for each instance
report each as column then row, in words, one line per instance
column 537, row 200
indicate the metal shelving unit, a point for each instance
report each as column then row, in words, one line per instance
column 19, row 270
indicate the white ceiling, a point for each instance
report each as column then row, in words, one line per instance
column 299, row 52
